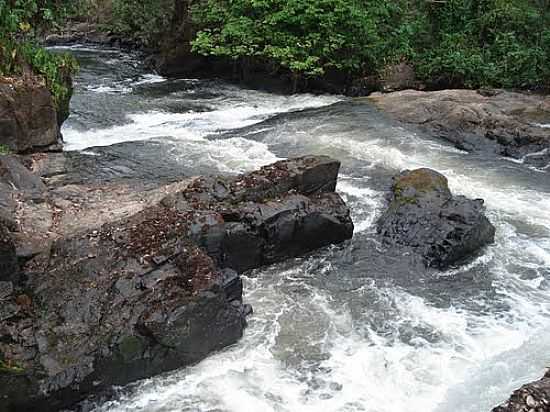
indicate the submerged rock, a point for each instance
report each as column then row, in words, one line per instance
column 120, row 285
column 533, row 397
column 425, row 216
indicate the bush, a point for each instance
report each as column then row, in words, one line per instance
column 143, row 20
column 501, row 43
column 19, row 22
column 307, row 37
column 455, row 43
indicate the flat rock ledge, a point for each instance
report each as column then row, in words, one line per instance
column 104, row 285
column 515, row 125
column 533, row 397
column 424, row 216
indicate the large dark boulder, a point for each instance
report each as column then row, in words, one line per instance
column 120, row 287
column 425, row 216
column 533, row 397
column 29, row 120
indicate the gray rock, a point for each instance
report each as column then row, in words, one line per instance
column 508, row 123
column 424, row 215
column 28, row 116
column 127, row 280
column 533, row 397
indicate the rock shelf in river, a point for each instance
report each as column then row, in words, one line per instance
column 117, row 284
column 511, row 124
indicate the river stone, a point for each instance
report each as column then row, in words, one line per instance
column 508, row 123
column 425, row 216
column 534, row 396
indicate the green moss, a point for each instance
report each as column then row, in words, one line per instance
column 11, row 368
column 421, row 181
column 131, row 347
column 4, row 150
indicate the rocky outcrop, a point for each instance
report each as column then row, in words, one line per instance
column 81, row 32
column 29, row 119
column 516, row 125
column 424, row 216
column 533, row 397
column 118, row 284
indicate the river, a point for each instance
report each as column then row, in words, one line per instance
column 345, row 328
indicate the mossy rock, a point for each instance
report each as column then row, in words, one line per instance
column 131, row 347
column 412, row 185
column 11, row 368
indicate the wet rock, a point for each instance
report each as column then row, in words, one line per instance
column 9, row 268
column 510, row 124
column 127, row 280
column 79, row 33
column 28, row 116
column 425, row 216
column 533, row 397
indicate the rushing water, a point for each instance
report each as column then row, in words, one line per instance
column 346, row 328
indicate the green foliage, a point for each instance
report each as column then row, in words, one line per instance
column 307, row 37
column 10, row 368
column 4, row 150
column 31, row 16
column 504, row 43
column 143, row 20
column 20, row 21
column 451, row 43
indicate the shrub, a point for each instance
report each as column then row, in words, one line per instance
column 19, row 22
column 456, row 43
column 307, row 37
column 143, row 20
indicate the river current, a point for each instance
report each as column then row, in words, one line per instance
column 342, row 329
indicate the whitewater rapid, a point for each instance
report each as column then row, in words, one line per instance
column 339, row 330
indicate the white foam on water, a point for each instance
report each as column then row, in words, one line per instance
column 365, row 203
column 192, row 125
column 114, row 89
column 149, row 79
column 84, row 48
column 498, row 193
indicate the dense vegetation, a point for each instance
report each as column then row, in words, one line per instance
column 459, row 43
column 453, row 43
column 20, row 22
column 450, row 43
